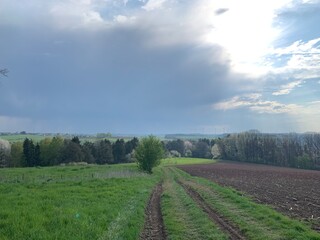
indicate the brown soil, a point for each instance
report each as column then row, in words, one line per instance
column 153, row 226
column 294, row 192
column 224, row 225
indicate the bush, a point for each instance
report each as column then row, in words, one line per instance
column 149, row 153
column 175, row 154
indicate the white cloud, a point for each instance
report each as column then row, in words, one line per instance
column 287, row 88
column 246, row 30
column 314, row 102
column 120, row 18
column 154, row 4
column 255, row 103
column 303, row 59
column 304, row 117
column 74, row 14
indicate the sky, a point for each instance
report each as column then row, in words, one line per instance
column 160, row 66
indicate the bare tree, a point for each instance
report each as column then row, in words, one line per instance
column 4, row 72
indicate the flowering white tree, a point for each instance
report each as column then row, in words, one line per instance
column 5, row 149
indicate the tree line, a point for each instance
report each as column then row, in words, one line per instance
column 56, row 150
column 201, row 148
column 291, row 150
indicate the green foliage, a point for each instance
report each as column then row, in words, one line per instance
column 16, row 154
column 292, row 150
column 108, row 202
column 201, row 150
column 176, row 145
column 57, row 150
column 149, row 153
column 54, row 151
column 131, row 145
column 103, row 152
column 303, row 161
column 119, row 151
column 72, row 151
column 29, row 153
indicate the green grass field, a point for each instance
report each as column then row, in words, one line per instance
column 108, row 202
column 38, row 137
column 22, row 137
column 78, row 202
column 185, row 161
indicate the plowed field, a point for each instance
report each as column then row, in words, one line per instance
column 294, row 192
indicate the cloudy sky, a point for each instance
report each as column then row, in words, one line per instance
column 160, row 66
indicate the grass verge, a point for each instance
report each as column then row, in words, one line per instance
column 182, row 217
column 255, row 221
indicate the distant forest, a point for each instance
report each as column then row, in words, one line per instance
column 291, row 150
column 58, row 150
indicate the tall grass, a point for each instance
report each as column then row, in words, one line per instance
column 76, row 207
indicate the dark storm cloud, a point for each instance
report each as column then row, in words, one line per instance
column 130, row 67
column 111, row 78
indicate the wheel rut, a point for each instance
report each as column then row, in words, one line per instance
column 154, row 226
column 227, row 227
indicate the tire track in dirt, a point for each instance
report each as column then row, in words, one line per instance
column 233, row 232
column 293, row 192
column 154, row 226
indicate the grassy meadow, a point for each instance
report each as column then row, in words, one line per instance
column 185, row 161
column 21, row 137
column 108, row 202
column 74, row 202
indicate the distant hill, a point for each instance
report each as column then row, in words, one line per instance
column 192, row 136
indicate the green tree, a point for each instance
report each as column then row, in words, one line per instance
column 176, row 145
column 131, row 145
column 17, row 157
column 201, row 150
column 103, row 152
column 45, row 151
column 71, row 152
column 29, row 153
column 119, row 151
column 76, row 140
column 88, row 151
column 149, row 153
column 55, row 150
column 37, row 158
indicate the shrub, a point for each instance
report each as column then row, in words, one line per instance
column 148, row 153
